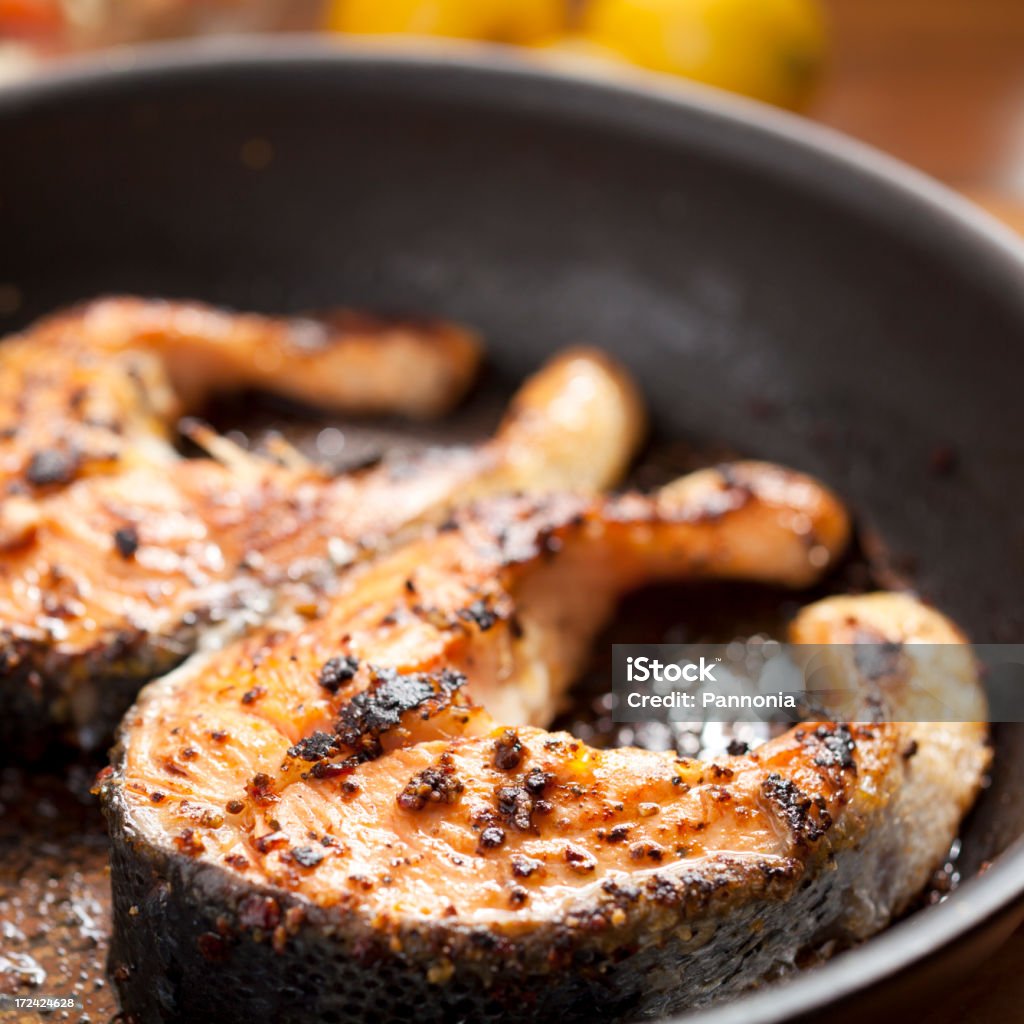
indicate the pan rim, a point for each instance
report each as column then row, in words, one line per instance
column 785, row 144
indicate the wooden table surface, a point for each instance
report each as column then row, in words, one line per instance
column 940, row 84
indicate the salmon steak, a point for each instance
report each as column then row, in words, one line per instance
column 101, row 387
column 122, row 553
column 363, row 816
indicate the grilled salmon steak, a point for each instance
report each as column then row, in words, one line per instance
column 366, row 814
column 99, row 389
column 109, row 580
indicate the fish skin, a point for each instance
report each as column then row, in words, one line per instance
column 592, row 903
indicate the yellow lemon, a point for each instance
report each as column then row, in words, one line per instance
column 770, row 49
column 502, row 21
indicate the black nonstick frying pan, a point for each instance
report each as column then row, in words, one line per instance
column 774, row 287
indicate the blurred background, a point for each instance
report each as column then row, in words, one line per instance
column 939, row 83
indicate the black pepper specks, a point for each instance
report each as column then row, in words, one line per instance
column 508, row 751
column 261, row 789
column 436, row 784
column 515, row 805
column 126, row 541
column 579, row 860
column 518, row 896
column 525, row 867
column 491, row 838
column 479, row 614
column 50, row 466
column 537, row 781
column 646, row 848
column 308, row 856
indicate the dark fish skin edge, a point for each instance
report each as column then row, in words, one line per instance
column 40, row 690
column 195, row 943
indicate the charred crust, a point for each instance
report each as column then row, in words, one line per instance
column 807, row 818
column 390, row 696
column 337, row 671
column 517, row 802
column 315, row 747
column 837, row 747
column 253, row 695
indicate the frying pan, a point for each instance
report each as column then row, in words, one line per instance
column 773, row 286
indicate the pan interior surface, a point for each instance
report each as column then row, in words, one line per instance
column 785, row 303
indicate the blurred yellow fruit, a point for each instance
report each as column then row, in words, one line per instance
column 770, row 49
column 502, row 21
